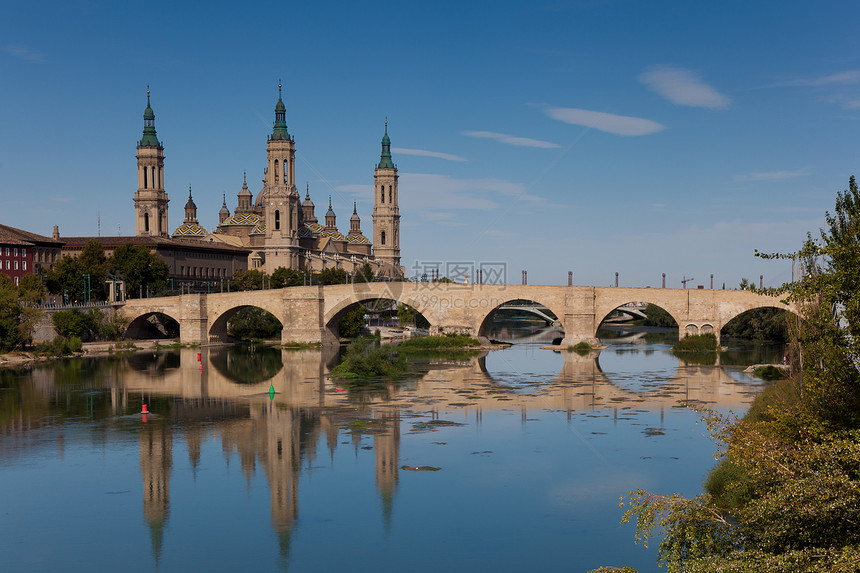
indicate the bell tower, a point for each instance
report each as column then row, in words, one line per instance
column 280, row 198
column 386, row 213
column 150, row 200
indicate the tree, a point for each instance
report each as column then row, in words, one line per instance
column 284, row 277
column 657, row 316
column 94, row 263
column 253, row 323
column 10, row 312
column 251, row 279
column 139, row 268
column 352, row 322
column 331, row 276
column 786, row 493
column 363, row 274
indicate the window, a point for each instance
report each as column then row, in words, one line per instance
column 145, row 177
column 389, row 193
column 15, row 251
column 277, row 220
column 182, row 270
column 24, row 265
column 8, row 264
column 383, row 194
column 16, row 281
column 16, row 265
column 276, row 171
column 23, row 252
column 7, row 251
column 383, row 237
column 146, row 222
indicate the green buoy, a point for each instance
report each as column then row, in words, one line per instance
column 271, row 391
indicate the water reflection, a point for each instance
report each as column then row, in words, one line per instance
column 329, row 447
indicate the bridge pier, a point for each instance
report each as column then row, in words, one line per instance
column 304, row 317
column 193, row 319
column 579, row 317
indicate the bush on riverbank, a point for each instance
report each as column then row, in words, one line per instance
column 437, row 342
column 60, row 346
column 364, row 359
column 697, row 343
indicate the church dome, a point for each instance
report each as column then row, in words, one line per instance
column 189, row 231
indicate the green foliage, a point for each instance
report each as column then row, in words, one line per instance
column 364, row 359
column 657, row 316
column 790, row 470
column 331, row 276
column 759, row 324
column 769, row 372
column 746, row 284
column 582, row 348
column 72, row 323
column 60, row 346
column 139, row 268
column 250, row 279
column 447, row 341
column 253, row 323
column 352, row 322
column 697, row 343
column 364, row 274
column 283, row 277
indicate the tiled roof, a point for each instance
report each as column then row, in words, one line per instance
column 12, row 236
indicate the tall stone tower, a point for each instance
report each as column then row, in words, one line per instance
column 280, row 200
column 386, row 213
column 150, row 200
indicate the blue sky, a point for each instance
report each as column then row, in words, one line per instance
column 595, row 136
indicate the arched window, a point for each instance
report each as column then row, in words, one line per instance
column 286, row 170
column 277, row 220
column 276, row 170
column 145, row 178
column 383, row 193
column 146, row 222
column 382, row 238
column 153, row 178
column 389, row 193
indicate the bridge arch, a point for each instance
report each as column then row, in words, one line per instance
column 602, row 314
column 556, row 314
column 219, row 323
column 153, row 325
column 337, row 312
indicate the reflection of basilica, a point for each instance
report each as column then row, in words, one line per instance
column 278, row 438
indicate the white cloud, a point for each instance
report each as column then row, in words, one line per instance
column 683, row 87
column 771, row 176
column 848, row 77
column 439, row 197
column 608, row 122
column 425, row 153
column 512, row 140
column 24, row 53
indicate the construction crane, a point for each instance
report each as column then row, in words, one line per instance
column 686, row 280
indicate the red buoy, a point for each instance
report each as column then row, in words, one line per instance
column 145, row 410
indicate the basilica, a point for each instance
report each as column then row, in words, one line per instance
column 276, row 227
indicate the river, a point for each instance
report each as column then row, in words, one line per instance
column 512, row 460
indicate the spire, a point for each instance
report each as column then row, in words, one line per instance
column 190, row 204
column 355, row 216
column 307, row 191
column 385, row 159
column 279, row 130
column 149, row 139
column 224, row 212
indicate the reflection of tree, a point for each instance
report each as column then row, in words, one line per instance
column 247, row 364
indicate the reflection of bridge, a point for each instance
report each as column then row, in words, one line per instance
column 312, row 314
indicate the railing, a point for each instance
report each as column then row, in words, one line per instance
column 63, row 306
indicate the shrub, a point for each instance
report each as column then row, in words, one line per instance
column 697, row 343
column 364, row 359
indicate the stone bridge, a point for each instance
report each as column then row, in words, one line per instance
column 312, row 314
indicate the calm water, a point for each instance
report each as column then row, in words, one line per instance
column 534, row 449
